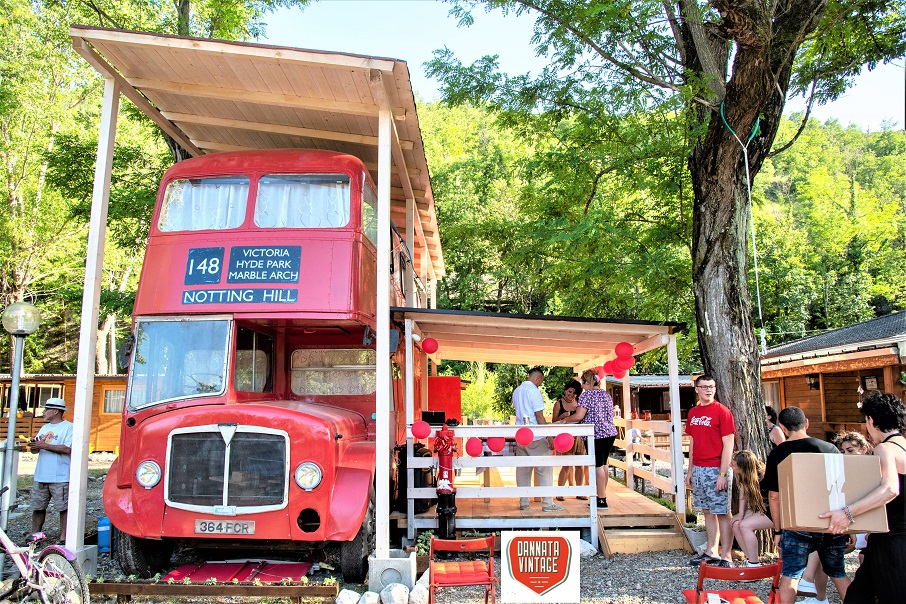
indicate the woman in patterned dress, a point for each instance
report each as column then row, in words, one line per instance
column 596, row 408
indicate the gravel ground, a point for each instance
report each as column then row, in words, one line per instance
column 652, row 578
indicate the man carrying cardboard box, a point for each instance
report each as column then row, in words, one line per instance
column 795, row 546
column 712, row 431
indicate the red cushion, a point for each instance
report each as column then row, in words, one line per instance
column 733, row 596
column 460, row 573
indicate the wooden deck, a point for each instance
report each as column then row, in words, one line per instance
column 633, row 523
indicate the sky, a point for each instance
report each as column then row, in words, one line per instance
column 411, row 30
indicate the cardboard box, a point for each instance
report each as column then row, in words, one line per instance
column 815, row 483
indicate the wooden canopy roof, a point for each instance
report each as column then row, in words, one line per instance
column 227, row 96
column 579, row 343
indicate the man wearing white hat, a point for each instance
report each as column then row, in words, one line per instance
column 54, row 446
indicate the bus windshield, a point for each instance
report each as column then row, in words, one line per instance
column 177, row 359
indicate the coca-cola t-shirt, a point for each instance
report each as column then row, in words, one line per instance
column 707, row 425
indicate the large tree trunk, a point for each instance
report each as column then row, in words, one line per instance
column 755, row 94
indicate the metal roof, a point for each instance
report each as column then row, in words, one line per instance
column 229, row 96
column 574, row 342
column 652, row 381
column 881, row 331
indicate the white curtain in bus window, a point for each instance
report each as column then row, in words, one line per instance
column 318, row 201
column 333, row 372
column 200, row 204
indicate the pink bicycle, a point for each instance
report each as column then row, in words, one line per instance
column 50, row 575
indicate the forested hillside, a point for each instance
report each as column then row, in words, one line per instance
column 528, row 225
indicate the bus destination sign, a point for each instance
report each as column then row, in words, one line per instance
column 247, row 264
column 264, row 264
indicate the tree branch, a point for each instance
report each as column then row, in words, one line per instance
column 606, row 55
column 808, row 111
column 715, row 77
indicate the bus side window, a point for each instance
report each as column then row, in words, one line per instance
column 254, row 361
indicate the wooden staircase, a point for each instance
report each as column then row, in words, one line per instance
column 636, row 524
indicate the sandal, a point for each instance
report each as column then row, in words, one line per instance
column 560, row 498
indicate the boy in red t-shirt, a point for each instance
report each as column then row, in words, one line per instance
column 711, row 427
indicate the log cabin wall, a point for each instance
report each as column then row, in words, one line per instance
column 106, row 412
column 798, row 393
column 840, row 393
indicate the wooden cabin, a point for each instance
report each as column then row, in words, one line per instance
column 651, row 394
column 827, row 375
column 34, row 390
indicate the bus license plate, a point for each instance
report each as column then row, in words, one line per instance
column 224, row 527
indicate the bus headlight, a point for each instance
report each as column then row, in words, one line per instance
column 148, row 474
column 308, row 475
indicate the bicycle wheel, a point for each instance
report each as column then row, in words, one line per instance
column 60, row 580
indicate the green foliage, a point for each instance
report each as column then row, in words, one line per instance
column 423, row 543
column 478, row 397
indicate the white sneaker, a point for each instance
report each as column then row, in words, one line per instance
column 806, row 587
column 813, row 601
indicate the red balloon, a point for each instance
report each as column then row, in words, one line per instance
column 600, row 371
column 473, row 447
column 619, row 373
column 624, row 349
column 624, row 363
column 429, row 345
column 608, row 367
column 496, row 443
column 421, row 429
column 524, row 436
column 563, row 442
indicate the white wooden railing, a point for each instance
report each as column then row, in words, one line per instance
column 507, row 461
column 651, row 430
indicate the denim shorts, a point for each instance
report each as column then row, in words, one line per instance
column 795, row 546
column 705, row 495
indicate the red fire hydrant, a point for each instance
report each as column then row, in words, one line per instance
column 444, row 446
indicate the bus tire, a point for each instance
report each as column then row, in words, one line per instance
column 354, row 554
column 142, row 557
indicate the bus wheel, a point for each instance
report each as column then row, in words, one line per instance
column 142, row 557
column 354, row 554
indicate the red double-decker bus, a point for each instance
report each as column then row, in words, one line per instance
column 249, row 417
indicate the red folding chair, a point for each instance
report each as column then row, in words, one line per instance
column 699, row 595
column 464, row 572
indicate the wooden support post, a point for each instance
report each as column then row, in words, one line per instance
column 91, row 295
column 383, row 385
column 677, row 472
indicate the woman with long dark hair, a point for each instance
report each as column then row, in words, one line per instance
column 880, row 578
column 563, row 408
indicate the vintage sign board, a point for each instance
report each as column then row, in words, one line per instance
column 539, row 566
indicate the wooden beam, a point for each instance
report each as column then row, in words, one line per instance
column 413, row 172
column 105, row 69
column 231, row 50
column 263, row 98
column 206, row 120
column 856, row 362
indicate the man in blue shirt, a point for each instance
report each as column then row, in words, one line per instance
column 53, row 444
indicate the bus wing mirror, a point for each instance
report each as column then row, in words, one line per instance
column 124, row 352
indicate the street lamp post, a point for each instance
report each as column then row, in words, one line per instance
column 20, row 319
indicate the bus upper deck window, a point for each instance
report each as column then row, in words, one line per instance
column 319, row 201
column 199, row 204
